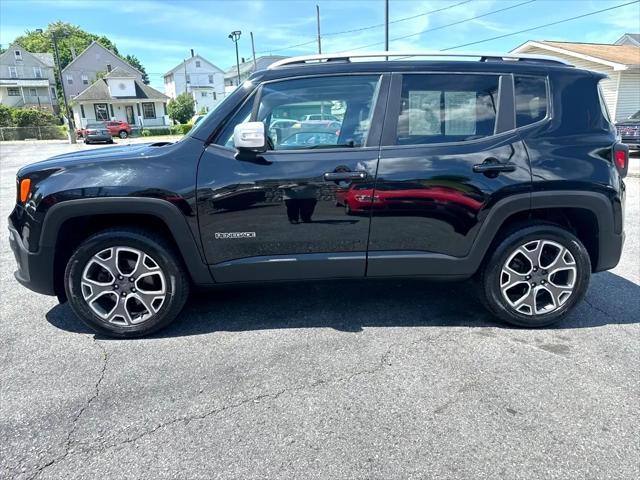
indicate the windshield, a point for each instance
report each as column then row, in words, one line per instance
column 635, row 116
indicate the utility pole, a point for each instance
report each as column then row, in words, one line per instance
column 386, row 26
column 253, row 51
column 72, row 130
column 318, row 22
column 235, row 36
column 184, row 64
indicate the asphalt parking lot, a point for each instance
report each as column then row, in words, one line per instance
column 375, row 379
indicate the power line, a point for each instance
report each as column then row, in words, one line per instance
column 539, row 26
column 353, row 30
column 447, row 25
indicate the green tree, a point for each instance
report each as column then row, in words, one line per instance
column 181, row 108
column 69, row 37
column 135, row 62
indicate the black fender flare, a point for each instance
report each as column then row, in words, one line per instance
column 165, row 211
column 599, row 204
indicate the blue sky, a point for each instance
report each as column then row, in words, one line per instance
column 161, row 33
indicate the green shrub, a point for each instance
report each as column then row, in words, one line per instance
column 146, row 133
column 32, row 117
column 6, row 119
column 181, row 129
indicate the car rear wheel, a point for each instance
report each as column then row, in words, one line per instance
column 123, row 134
column 124, row 283
column 535, row 276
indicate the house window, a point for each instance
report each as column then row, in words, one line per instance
column 37, row 72
column 188, row 78
column 204, row 94
column 53, row 92
column 17, row 54
column 69, row 80
column 13, row 92
column 210, row 78
column 85, row 80
column 82, row 111
column 111, row 107
column 197, row 63
column 148, row 110
column 101, row 111
column 108, row 67
column 33, row 92
column 214, row 95
column 13, row 72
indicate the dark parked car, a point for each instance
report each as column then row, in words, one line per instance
column 97, row 132
column 504, row 169
column 629, row 131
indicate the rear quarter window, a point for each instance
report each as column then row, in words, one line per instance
column 531, row 99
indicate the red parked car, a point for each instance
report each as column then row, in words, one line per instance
column 117, row 128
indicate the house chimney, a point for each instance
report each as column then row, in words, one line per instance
column 192, row 52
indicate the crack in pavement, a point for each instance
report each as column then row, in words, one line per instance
column 588, row 302
column 76, row 418
column 383, row 362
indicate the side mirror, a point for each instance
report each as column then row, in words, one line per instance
column 250, row 137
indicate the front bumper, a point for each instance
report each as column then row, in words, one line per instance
column 35, row 269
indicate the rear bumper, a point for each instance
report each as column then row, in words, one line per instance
column 35, row 270
column 632, row 142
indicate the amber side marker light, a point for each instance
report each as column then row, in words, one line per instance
column 25, row 187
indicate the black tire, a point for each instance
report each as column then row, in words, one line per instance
column 176, row 280
column 492, row 271
column 123, row 134
column 86, row 141
column 111, row 141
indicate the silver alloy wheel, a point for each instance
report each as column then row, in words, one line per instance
column 123, row 285
column 538, row 277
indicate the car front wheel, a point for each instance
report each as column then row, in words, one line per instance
column 535, row 276
column 123, row 134
column 124, row 283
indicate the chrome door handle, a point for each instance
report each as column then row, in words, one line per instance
column 337, row 176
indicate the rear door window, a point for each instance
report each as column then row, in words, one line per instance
column 531, row 99
column 441, row 108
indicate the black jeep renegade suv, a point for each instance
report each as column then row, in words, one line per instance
column 505, row 169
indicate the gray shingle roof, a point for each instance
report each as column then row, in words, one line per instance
column 119, row 72
column 46, row 58
column 99, row 91
column 247, row 67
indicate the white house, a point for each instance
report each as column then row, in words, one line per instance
column 27, row 79
column 246, row 70
column 197, row 76
column 120, row 95
column 620, row 61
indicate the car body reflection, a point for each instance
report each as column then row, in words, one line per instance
column 440, row 202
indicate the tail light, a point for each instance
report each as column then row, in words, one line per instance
column 621, row 158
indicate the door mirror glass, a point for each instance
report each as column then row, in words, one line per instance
column 250, row 136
